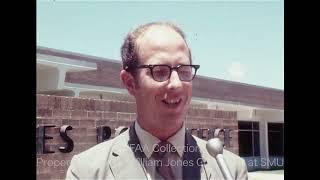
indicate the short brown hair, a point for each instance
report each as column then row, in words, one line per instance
column 129, row 48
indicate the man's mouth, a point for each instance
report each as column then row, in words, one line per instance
column 171, row 102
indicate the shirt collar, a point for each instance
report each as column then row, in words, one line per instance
column 148, row 141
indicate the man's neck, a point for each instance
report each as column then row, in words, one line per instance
column 162, row 133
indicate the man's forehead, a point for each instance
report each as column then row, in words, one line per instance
column 159, row 32
column 161, row 37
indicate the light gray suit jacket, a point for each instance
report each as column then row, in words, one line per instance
column 120, row 158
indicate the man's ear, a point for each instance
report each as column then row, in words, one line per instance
column 128, row 81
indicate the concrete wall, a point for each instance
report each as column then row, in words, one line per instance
column 47, row 79
column 270, row 115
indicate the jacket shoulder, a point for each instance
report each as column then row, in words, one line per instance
column 101, row 149
column 94, row 160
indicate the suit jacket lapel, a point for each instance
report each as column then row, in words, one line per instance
column 127, row 156
column 192, row 155
column 211, row 169
column 134, row 143
column 206, row 166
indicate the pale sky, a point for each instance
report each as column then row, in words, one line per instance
column 234, row 40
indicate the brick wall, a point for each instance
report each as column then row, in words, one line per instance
column 85, row 115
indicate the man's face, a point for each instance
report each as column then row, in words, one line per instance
column 162, row 104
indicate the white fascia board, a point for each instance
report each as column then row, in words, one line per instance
column 230, row 104
column 221, row 103
column 68, row 64
column 91, row 88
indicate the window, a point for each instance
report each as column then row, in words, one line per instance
column 275, row 137
column 249, row 142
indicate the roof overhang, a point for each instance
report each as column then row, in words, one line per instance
column 46, row 61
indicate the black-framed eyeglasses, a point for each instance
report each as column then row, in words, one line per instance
column 162, row 72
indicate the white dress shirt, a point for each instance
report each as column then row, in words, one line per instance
column 148, row 142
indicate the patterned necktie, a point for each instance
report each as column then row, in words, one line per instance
column 161, row 154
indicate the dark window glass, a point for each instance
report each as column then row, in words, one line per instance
column 245, row 125
column 275, row 126
column 249, row 142
column 245, row 143
column 255, row 125
column 256, row 144
column 275, row 137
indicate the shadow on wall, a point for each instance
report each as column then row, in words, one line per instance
column 58, row 93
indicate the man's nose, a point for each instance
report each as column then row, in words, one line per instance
column 174, row 81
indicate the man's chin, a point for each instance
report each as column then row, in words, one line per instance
column 167, row 124
column 171, row 118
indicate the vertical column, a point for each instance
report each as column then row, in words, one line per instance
column 76, row 93
column 264, row 146
column 61, row 77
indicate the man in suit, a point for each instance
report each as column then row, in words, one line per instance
column 158, row 72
